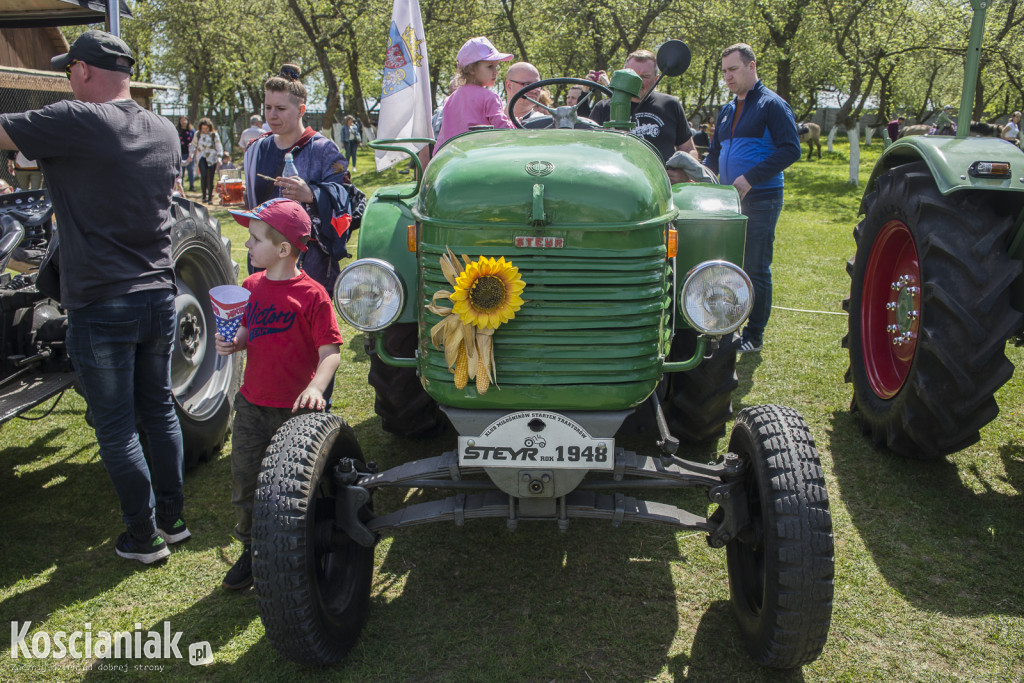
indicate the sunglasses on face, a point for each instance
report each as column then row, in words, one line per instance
column 520, row 83
column 67, row 69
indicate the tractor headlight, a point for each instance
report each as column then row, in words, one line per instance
column 368, row 294
column 716, row 297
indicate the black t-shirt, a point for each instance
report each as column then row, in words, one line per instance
column 110, row 169
column 660, row 120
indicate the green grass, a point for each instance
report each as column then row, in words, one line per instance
column 928, row 555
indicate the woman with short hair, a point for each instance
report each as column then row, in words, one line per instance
column 322, row 186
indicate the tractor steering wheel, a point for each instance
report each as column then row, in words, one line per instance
column 559, row 115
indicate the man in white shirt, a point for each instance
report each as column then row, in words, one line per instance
column 252, row 132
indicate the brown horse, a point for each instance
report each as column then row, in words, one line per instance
column 811, row 134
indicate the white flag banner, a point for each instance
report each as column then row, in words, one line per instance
column 405, row 102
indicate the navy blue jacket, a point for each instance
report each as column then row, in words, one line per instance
column 764, row 143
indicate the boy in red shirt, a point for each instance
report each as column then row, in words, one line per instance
column 292, row 344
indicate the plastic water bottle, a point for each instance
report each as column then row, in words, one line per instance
column 289, row 166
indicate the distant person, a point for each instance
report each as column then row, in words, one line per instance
column 291, row 355
column 26, row 171
column 1011, row 131
column 438, row 115
column 111, row 165
column 701, row 137
column 660, row 118
column 895, row 126
column 474, row 103
column 755, row 140
column 206, row 151
column 225, row 163
column 188, row 165
column 944, row 124
column 350, row 141
column 254, row 130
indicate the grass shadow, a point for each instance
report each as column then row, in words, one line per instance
column 940, row 535
column 718, row 653
column 535, row 605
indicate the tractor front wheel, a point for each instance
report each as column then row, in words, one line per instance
column 404, row 406
column 312, row 582
column 782, row 563
column 698, row 402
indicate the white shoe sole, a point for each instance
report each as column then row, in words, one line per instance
column 144, row 558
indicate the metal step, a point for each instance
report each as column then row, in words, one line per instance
column 25, row 393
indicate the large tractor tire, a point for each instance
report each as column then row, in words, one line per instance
column 204, row 385
column 929, row 313
column 312, row 581
column 782, row 565
column 698, row 403
column 405, row 408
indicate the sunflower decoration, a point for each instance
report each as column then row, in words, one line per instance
column 487, row 294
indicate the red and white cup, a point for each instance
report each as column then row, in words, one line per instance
column 229, row 302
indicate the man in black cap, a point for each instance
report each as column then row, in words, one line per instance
column 110, row 166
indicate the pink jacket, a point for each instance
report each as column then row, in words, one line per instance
column 470, row 105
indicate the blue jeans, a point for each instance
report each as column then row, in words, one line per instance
column 762, row 212
column 350, row 152
column 121, row 349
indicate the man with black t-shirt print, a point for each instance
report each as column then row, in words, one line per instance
column 659, row 118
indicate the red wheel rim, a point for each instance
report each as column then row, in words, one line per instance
column 890, row 311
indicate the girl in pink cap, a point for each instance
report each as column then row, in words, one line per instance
column 474, row 103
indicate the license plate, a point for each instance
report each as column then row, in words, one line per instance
column 536, row 438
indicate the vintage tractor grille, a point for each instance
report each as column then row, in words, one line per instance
column 592, row 317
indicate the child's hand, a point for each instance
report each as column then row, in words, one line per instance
column 311, row 398
column 225, row 347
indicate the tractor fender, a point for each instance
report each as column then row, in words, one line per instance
column 383, row 235
column 710, row 227
column 949, row 160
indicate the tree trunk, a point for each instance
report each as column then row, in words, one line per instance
column 784, row 78
column 853, row 133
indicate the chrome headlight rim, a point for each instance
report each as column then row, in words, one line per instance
column 391, row 273
column 695, row 272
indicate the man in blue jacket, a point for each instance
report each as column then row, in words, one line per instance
column 755, row 140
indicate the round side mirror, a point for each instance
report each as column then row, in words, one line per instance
column 674, row 57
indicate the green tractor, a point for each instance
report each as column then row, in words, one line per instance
column 623, row 296
column 936, row 289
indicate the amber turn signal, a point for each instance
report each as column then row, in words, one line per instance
column 673, row 242
column 410, row 238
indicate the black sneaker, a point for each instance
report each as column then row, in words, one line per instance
column 145, row 551
column 240, row 575
column 173, row 529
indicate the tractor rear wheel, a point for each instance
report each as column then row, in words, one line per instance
column 204, row 384
column 929, row 313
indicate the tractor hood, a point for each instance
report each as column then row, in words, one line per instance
column 599, row 178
